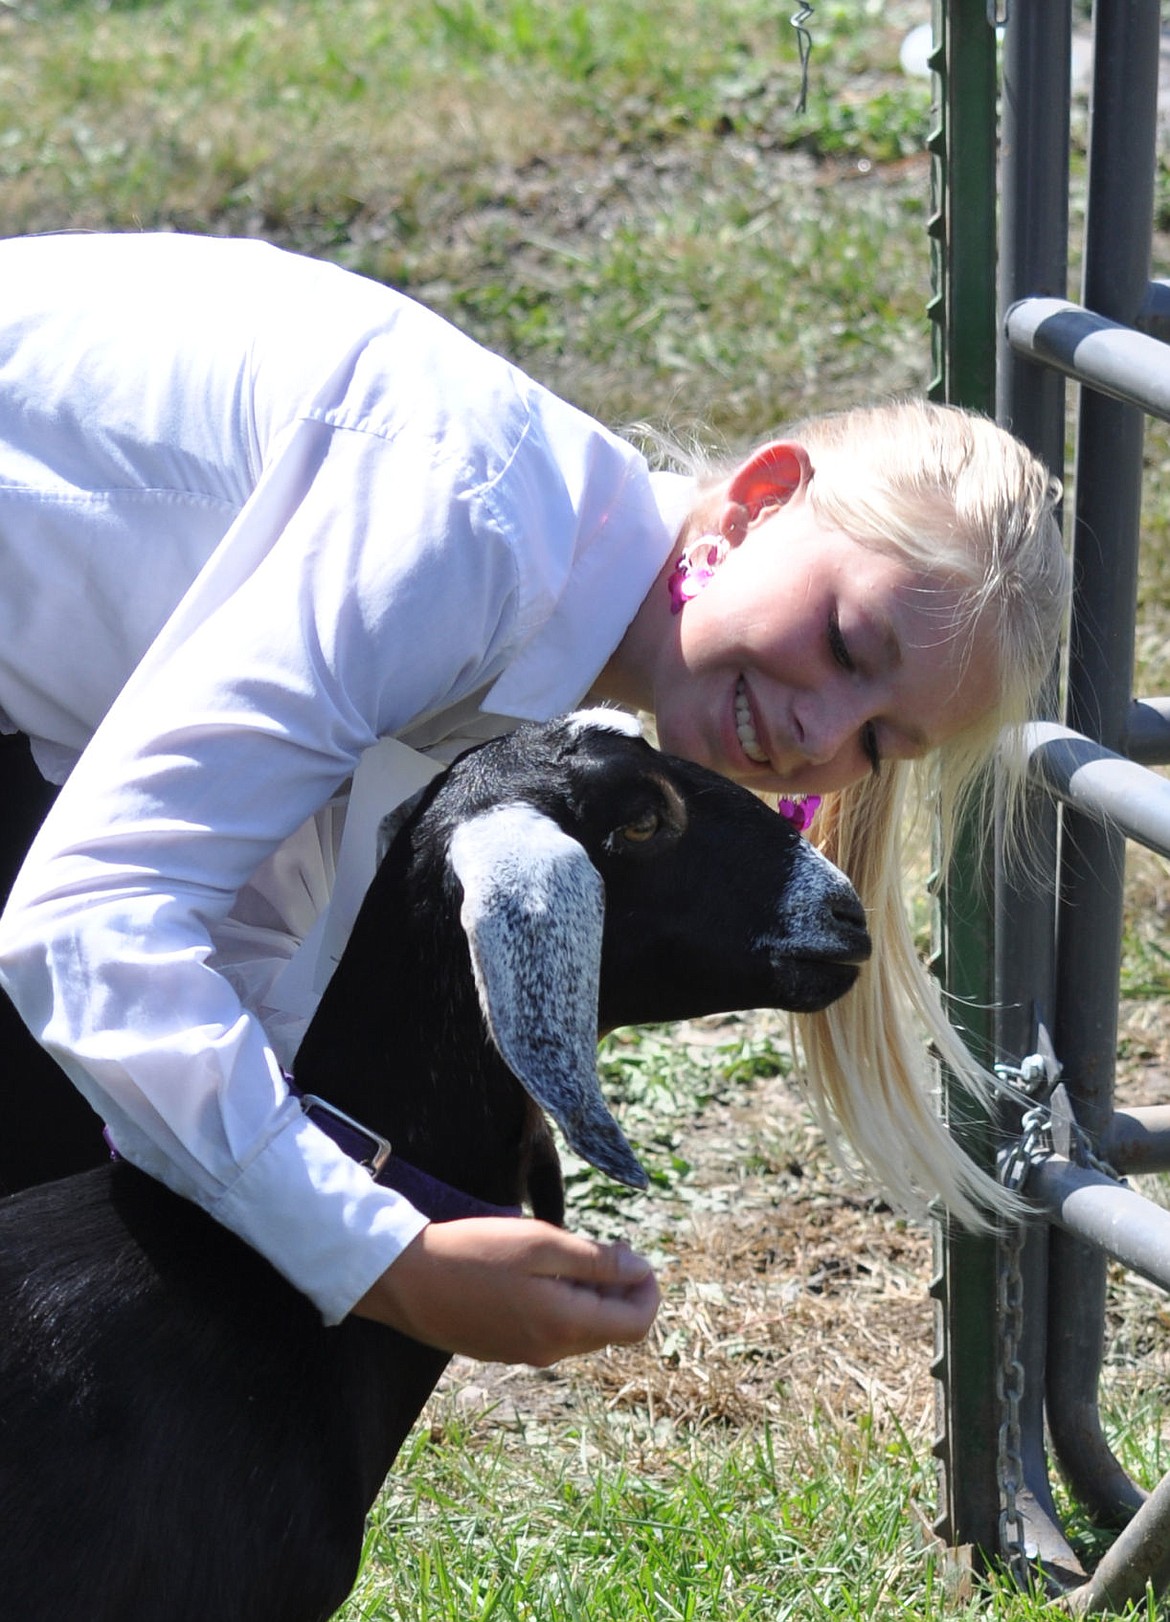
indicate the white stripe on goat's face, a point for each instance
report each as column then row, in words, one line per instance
column 533, row 912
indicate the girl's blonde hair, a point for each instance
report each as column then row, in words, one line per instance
column 950, row 493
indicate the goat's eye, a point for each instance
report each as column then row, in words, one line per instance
column 642, row 828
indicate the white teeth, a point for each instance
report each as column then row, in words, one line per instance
column 743, row 726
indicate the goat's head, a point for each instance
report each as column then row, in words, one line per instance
column 603, row 884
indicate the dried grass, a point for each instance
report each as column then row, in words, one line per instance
column 788, row 1294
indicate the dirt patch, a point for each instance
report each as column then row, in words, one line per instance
column 782, row 1281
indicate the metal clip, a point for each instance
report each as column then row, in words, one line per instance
column 804, row 42
column 1063, row 1123
column 369, row 1148
column 1034, row 1082
column 1037, row 1075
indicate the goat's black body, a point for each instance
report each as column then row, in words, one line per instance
column 192, row 1444
column 181, row 1439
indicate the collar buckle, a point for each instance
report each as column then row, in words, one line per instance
column 368, row 1148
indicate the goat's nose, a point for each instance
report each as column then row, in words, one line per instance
column 846, row 911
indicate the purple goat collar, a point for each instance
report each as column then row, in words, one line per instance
column 435, row 1199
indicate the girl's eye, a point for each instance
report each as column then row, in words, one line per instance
column 869, row 748
column 837, row 644
column 842, row 656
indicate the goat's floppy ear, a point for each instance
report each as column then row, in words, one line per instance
column 533, row 909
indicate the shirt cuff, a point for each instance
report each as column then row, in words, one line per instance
column 318, row 1217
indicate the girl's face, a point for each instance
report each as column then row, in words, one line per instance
column 808, row 660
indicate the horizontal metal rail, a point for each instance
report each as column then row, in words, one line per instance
column 1104, row 1213
column 1147, row 731
column 1109, row 357
column 1100, row 782
column 1137, row 1140
column 1154, row 315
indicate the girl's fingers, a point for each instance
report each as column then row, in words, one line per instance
column 514, row 1291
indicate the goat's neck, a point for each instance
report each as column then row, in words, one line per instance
column 398, row 1042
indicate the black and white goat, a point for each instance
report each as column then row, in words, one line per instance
column 181, row 1440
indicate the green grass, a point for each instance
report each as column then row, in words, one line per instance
column 805, row 1523
column 622, row 198
column 657, row 1090
column 717, row 1531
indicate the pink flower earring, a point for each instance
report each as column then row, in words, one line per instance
column 695, row 568
column 799, row 809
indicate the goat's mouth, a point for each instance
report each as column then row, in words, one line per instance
column 812, row 983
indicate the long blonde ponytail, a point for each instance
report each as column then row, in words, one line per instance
column 871, row 1058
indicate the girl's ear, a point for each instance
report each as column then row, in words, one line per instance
column 769, row 477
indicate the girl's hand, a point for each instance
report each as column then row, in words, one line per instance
column 511, row 1290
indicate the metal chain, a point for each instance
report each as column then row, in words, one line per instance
column 1009, row 1391
column 1039, row 1074
column 1033, row 1087
column 1029, row 1085
column 1034, row 1141
column 1086, row 1155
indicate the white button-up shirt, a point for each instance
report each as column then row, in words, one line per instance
column 256, row 514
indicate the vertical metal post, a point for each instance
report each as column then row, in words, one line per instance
column 1030, row 400
column 1108, row 508
column 963, row 145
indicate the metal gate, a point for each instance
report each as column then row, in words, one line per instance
column 1021, row 1321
